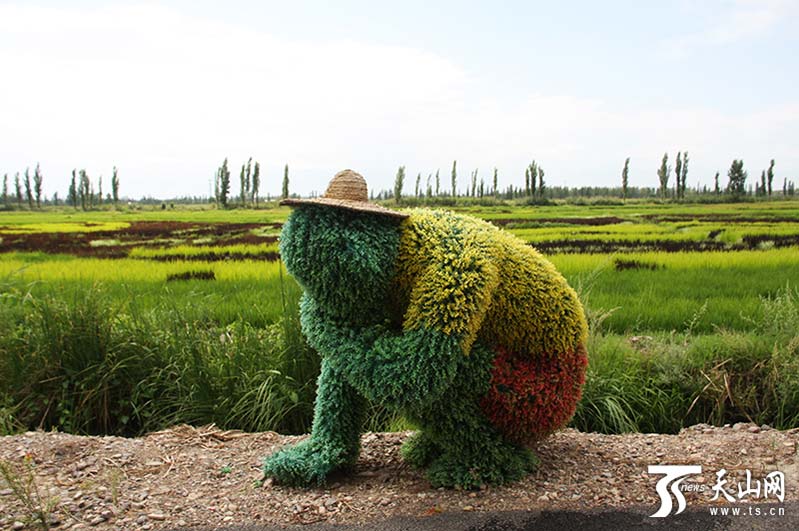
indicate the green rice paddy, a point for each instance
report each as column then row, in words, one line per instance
column 697, row 282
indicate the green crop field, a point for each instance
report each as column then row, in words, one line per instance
column 126, row 321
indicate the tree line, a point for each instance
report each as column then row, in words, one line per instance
column 87, row 193
column 33, row 190
column 249, row 185
column 535, row 189
column 81, row 190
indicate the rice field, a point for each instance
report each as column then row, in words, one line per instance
column 201, row 295
column 653, row 267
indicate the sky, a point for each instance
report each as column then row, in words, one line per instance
column 166, row 90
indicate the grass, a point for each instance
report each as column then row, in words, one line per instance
column 728, row 285
column 664, row 382
column 38, row 508
column 197, row 213
column 188, row 252
column 88, row 364
column 98, row 345
column 50, row 226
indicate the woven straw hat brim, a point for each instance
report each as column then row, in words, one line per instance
column 360, row 206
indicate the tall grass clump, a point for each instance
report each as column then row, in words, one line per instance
column 667, row 381
column 92, row 364
column 91, row 361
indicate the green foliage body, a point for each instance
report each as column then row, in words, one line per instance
column 400, row 315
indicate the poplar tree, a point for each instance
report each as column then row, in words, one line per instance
column 248, row 177
column 737, row 178
column 474, row 183
column 418, row 183
column 286, row 181
column 398, row 182
column 663, row 175
column 624, row 177
column 224, row 183
column 770, row 176
column 454, row 179
column 72, row 195
column 18, row 189
column 438, row 185
column 243, row 192
column 37, row 185
column 256, row 182
column 532, row 170
column 678, row 175
column 541, row 182
column 716, row 188
column 527, row 181
column 429, row 185
column 100, row 191
column 684, row 174
column 5, row 190
column 28, row 191
column 216, row 187
column 115, row 185
column 84, row 189
column 495, row 189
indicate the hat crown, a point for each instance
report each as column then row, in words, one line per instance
column 347, row 185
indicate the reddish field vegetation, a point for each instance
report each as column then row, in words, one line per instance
column 152, row 234
column 597, row 221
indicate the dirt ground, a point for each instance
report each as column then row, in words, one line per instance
column 189, row 476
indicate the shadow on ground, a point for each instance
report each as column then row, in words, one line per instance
column 699, row 518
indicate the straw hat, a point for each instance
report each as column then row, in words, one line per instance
column 347, row 190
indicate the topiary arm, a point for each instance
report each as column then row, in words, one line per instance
column 449, row 297
column 405, row 370
column 335, row 435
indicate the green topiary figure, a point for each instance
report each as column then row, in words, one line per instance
column 462, row 327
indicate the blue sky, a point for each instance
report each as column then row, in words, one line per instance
column 166, row 90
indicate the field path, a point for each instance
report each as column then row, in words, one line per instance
column 184, row 477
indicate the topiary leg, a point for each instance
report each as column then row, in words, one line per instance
column 472, row 451
column 420, row 450
column 481, row 459
column 335, row 436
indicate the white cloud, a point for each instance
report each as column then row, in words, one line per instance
column 165, row 96
column 729, row 22
column 151, row 89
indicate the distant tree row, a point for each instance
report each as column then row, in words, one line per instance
column 476, row 186
column 535, row 188
column 33, row 191
column 81, row 192
column 664, row 172
column 736, row 180
column 249, row 184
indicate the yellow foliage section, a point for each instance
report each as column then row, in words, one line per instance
column 471, row 279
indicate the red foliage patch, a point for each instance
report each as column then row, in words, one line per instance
column 531, row 397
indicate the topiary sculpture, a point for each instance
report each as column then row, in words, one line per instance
column 462, row 327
